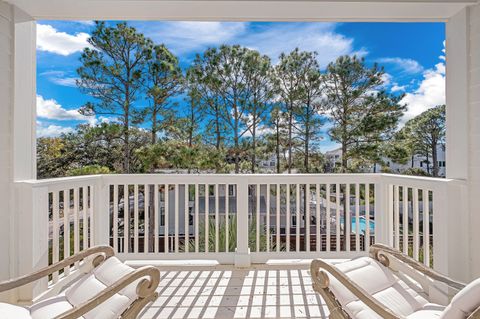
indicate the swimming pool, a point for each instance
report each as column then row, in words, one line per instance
column 362, row 225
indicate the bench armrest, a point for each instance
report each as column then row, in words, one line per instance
column 103, row 252
column 145, row 290
column 380, row 253
column 321, row 270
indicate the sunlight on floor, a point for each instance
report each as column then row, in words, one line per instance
column 273, row 292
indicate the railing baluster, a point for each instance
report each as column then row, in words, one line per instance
column 426, row 227
column 257, row 208
column 197, row 241
column 91, row 219
column 298, row 222
column 267, row 229
column 405, row 218
column 415, row 224
column 348, row 221
column 166, row 231
column 55, row 232
column 357, row 217
column 76, row 228
column 156, row 214
column 318, row 240
column 84, row 217
column 135, row 218
column 126, row 219
column 177, row 215
column 66, row 227
column 396, row 216
column 367, row 216
column 337, row 202
column 277, row 216
column 327, row 216
column 146, row 221
column 217, row 224
column 307, row 216
column 287, row 216
column 207, row 216
column 115, row 218
column 227, row 221
column 187, row 218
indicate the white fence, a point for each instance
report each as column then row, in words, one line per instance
column 237, row 219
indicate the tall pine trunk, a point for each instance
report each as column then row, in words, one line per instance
column 434, row 159
column 126, row 149
column 154, row 126
column 290, row 124
column 254, row 147
column 278, row 146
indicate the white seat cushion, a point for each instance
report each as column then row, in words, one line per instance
column 429, row 311
column 105, row 275
column 464, row 302
column 50, row 308
column 111, row 271
column 8, row 311
column 90, row 286
column 379, row 282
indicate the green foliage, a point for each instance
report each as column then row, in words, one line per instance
column 88, row 146
column 297, row 81
column 112, row 74
column 51, row 159
column 363, row 115
column 89, row 170
column 238, row 109
column 231, row 232
column 415, row 171
column 423, row 135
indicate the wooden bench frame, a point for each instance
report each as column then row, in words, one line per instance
column 321, row 270
column 97, row 255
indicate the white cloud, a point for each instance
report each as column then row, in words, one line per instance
column 50, row 109
column 398, row 88
column 320, row 37
column 52, row 130
column 51, row 40
column 387, row 79
column 430, row 93
column 269, row 39
column 60, row 78
column 86, row 22
column 406, row 65
column 186, row 36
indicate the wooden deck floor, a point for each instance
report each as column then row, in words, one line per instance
column 263, row 291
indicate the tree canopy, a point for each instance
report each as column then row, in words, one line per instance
column 231, row 110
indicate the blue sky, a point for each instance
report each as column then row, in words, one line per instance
column 412, row 54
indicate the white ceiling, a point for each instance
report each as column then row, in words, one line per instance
column 224, row 10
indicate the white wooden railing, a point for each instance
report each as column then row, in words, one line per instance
column 250, row 219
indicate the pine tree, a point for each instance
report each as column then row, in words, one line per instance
column 164, row 80
column 112, row 73
column 362, row 114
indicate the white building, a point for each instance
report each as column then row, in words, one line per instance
column 334, row 158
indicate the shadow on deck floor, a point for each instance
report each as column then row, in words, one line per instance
column 279, row 291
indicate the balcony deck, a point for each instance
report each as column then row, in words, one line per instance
column 281, row 290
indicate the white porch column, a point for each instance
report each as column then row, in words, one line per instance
column 463, row 141
column 6, row 147
column 450, row 214
column 17, row 135
column 30, row 205
column 474, row 137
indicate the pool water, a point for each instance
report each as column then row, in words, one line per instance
column 362, row 225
